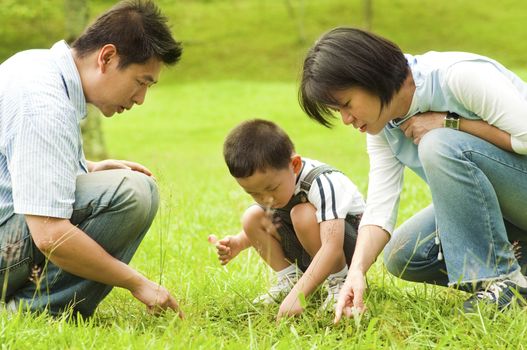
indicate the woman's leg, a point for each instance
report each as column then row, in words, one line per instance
column 475, row 187
column 412, row 254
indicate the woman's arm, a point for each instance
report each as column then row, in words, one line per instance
column 499, row 98
column 417, row 126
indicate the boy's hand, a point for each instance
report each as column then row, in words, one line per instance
column 227, row 248
column 290, row 306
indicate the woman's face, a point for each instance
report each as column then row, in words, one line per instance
column 361, row 109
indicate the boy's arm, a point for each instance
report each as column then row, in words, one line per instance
column 332, row 240
column 228, row 247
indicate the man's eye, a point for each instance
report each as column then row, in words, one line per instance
column 141, row 83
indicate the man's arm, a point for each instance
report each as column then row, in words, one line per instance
column 74, row 251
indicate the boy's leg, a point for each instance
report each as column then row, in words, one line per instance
column 307, row 229
column 264, row 238
column 273, row 243
column 115, row 208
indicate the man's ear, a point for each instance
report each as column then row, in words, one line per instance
column 107, row 55
column 296, row 161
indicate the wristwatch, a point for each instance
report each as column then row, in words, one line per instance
column 451, row 121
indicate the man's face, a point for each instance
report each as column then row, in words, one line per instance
column 120, row 89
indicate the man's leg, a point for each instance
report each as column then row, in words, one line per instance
column 116, row 209
column 18, row 255
column 475, row 187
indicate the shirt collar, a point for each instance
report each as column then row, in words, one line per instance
column 63, row 57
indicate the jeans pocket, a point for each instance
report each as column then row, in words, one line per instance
column 13, row 276
column 16, row 255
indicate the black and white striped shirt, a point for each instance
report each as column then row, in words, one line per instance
column 333, row 194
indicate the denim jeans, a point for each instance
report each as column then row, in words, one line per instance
column 479, row 196
column 113, row 207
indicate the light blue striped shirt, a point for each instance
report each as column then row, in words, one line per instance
column 41, row 105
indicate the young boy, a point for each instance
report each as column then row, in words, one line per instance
column 304, row 225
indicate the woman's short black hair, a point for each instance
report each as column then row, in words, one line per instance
column 349, row 57
column 137, row 29
column 257, row 145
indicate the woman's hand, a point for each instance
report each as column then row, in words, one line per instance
column 351, row 296
column 418, row 125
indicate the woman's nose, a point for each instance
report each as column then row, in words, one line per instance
column 347, row 119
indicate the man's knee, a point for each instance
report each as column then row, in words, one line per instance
column 138, row 194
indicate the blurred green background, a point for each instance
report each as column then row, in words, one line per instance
column 266, row 39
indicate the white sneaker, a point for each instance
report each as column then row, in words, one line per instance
column 280, row 289
column 333, row 287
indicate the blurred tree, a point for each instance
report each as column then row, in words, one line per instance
column 77, row 15
column 298, row 18
column 368, row 14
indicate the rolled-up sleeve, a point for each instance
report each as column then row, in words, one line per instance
column 483, row 89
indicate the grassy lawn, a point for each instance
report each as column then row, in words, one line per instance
column 178, row 133
column 241, row 60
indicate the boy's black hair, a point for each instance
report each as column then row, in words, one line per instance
column 349, row 57
column 254, row 145
column 137, row 29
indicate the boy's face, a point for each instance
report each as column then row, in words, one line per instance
column 273, row 187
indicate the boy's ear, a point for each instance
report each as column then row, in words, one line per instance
column 296, row 161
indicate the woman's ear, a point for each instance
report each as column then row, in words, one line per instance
column 296, row 161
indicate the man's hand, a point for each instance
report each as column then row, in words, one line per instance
column 290, row 306
column 351, row 296
column 156, row 298
column 418, row 125
column 109, row 164
column 227, row 248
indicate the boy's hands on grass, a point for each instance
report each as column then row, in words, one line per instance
column 228, row 247
column 291, row 306
column 351, row 296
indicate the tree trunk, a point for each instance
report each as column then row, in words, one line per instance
column 76, row 12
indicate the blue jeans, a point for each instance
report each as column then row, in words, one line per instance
column 114, row 207
column 479, row 195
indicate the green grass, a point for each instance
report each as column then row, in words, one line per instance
column 178, row 133
column 241, row 60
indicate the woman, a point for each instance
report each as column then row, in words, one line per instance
column 475, row 165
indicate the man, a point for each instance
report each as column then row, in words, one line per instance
column 79, row 222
